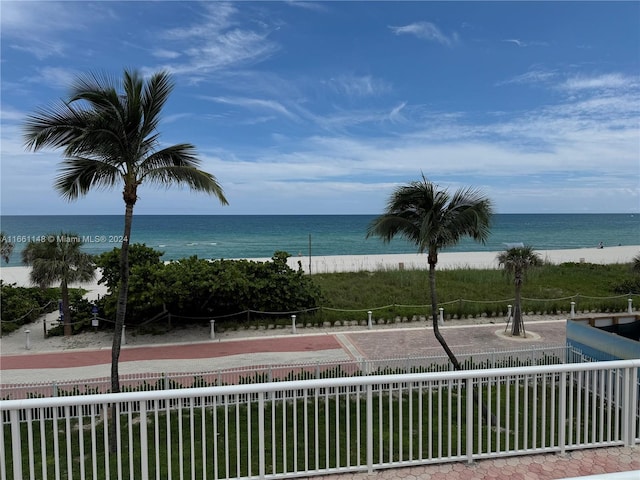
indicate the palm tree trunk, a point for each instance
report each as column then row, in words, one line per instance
column 66, row 311
column 434, row 311
column 489, row 417
column 121, row 311
column 517, row 310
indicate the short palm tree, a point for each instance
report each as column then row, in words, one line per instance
column 635, row 267
column 107, row 130
column 516, row 261
column 59, row 260
column 433, row 219
column 6, row 247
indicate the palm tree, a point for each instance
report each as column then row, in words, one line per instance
column 107, row 130
column 6, row 247
column 433, row 219
column 516, row 261
column 59, row 259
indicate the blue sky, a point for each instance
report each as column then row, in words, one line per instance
column 326, row 107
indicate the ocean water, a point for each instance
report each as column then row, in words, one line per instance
column 257, row 236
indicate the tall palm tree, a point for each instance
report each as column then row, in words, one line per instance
column 107, row 130
column 6, row 247
column 516, row 261
column 433, row 219
column 59, row 259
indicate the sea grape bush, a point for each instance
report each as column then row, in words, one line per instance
column 198, row 289
column 22, row 305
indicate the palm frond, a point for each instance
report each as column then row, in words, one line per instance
column 191, row 177
column 80, row 175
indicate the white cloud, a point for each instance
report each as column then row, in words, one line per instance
column 599, row 82
column 523, row 44
column 255, row 103
column 426, row 31
column 162, row 53
column 534, row 76
column 36, row 27
column 358, row 86
column 216, row 42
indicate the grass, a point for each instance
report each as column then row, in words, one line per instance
column 306, row 431
column 470, row 293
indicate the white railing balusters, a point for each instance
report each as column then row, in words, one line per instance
column 537, row 409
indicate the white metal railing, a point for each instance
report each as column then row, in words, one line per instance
column 313, row 427
column 492, row 358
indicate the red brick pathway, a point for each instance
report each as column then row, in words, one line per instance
column 81, row 358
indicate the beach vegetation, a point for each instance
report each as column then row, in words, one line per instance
column 468, row 292
column 193, row 290
column 516, row 262
column 59, row 260
column 107, row 130
column 23, row 305
column 433, row 219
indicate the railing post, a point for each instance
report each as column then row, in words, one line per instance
column 293, row 324
column 470, row 421
column 28, row 340
column 369, row 324
column 629, row 405
column 212, row 329
column 124, row 336
column 441, row 317
column 562, row 413
column 261, row 439
column 630, row 307
column 16, row 451
column 369, row 429
column 144, row 446
column 573, row 309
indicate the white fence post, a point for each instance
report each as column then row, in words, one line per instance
column 630, row 308
column 123, row 340
column 441, row 317
column 293, row 324
column 562, row 413
column 28, row 340
column 144, row 442
column 470, row 421
column 212, row 329
column 16, row 450
column 369, row 324
column 629, row 403
column 261, row 439
column 370, row 429
column 573, row 309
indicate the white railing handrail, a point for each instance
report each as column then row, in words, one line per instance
column 310, row 384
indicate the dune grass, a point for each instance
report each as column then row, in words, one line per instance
column 469, row 292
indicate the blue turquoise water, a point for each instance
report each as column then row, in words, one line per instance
column 253, row 236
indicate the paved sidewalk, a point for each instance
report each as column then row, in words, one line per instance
column 213, row 355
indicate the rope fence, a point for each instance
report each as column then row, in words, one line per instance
column 571, row 302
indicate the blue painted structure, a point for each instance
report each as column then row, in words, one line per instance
column 588, row 335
